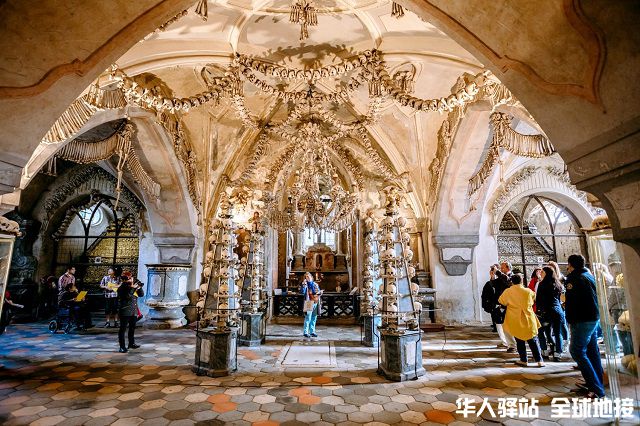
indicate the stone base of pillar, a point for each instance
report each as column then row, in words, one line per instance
column 401, row 356
column 162, row 318
column 216, row 354
column 252, row 330
column 370, row 325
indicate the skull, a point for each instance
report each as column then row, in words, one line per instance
column 206, row 272
column 208, row 256
column 226, row 239
column 417, row 306
column 601, row 222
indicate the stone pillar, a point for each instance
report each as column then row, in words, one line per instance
column 371, row 335
column 401, row 356
column 252, row 329
column 166, row 295
column 216, row 352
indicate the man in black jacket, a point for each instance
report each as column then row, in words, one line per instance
column 582, row 314
column 128, row 294
column 489, row 296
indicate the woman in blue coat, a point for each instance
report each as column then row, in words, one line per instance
column 311, row 291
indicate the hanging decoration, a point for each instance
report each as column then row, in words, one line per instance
column 397, row 11
column 218, row 304
column 316, row 199
column 365, row 67
column 120, row 144
column 303, row 12
column 399, row 309
column 533, row 146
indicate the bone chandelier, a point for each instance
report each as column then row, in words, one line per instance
column 310, row 203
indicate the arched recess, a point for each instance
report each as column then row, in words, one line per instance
column 546, row 181
column 79, row 188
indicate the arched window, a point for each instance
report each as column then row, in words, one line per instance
column 96, row 238
column 536, row 230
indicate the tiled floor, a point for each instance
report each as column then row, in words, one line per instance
column 81, row 379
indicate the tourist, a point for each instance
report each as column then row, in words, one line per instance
column 128, row 294
column 488, row 296
column 564, row 329
column 500, row 285
column 312, row 292
column 550, row 312
column 67, row 278
column 110, row 285
column 78, row 310
column 520, row 321
column 583, row 318
column 506, row 269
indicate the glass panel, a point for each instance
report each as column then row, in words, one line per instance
column 565, row 223
column 536, row 220
column 566, row 246
column 614, row 314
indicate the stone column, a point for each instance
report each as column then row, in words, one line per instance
column 166, row 295
column 167, row 281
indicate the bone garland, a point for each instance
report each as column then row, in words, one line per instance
column 385, row 170
column 85, row 153
column 71, row 121
column 202, row 9
column 118, row 144
column 349, row 162
column 489, row 89
column 175, row 18
column 106, row 99
column 397, row 11
column 368, row 302
column 459, row 98
column 310, row 74
column 304, row 13
column 258, row 153
column 477, row 180
column 184, row 151
column 533, row 146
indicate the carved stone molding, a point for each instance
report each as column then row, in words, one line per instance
column 538, row 179
column 456, row 252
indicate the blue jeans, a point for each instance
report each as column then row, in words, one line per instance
column 310, row 320
column 584, row 351
column 556, row 321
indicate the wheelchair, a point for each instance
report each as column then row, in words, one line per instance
column 65, row 320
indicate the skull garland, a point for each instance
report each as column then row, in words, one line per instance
column 399, row 307
column 369, row 273
column 219, row 297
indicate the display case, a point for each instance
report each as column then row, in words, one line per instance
column 6, row 250
column 620, row 357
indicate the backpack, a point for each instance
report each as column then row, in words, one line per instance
column 487, row 298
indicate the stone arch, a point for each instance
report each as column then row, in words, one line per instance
column 79, row 187
column 546, row 181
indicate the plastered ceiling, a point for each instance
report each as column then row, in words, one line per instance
column 406, row 138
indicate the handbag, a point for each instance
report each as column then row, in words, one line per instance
column 308, row 306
